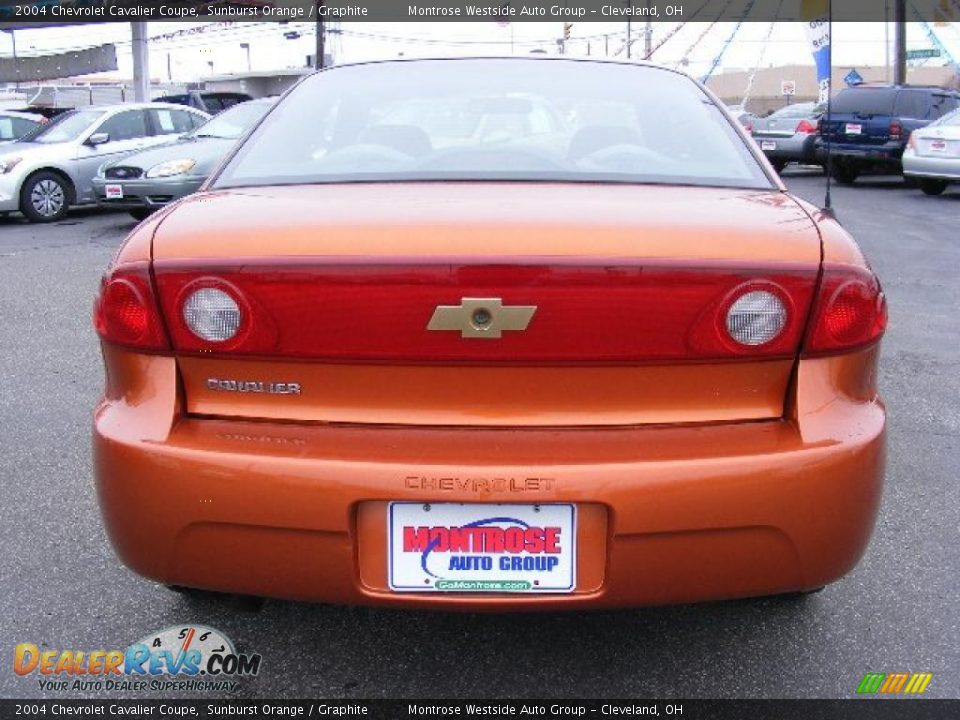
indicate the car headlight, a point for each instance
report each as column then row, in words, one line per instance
column 8, row 163
column 171, row 167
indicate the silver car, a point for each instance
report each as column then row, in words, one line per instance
column 148, row 180
column 932, row 156
column 46, row 173
column 789, row 135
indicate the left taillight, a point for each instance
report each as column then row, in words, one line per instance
column 850, row 312
column 125, row 310
column 806, row 127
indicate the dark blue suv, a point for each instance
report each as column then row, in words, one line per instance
column 869, row 126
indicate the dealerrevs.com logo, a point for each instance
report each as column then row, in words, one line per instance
column 180, row 658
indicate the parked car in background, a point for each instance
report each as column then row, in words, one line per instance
column 743, row 116
column 932, row 156
column 789, row 135
column 869, row 125
column 43, row 175
column 503, row 362
column 208, row 102
column 146, row 181
column 15, row 125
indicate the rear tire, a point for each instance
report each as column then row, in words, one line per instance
column 844, row 175
column 933, row 187
column 141, row 213
column 45, row 197
column 243, row 603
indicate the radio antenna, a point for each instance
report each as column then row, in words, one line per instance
column 827, row 204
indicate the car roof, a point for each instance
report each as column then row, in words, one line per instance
column 890, row 86
column 137, row 106
column 512, row 58
column 37, row 117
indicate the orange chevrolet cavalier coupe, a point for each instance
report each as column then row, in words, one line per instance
column 491, row 334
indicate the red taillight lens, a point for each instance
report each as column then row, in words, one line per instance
column 896, row 130
column 599, row 311
column 748, row 127
column 851, row 311
column 912, row 141
column 125, row 312
column 806, row 127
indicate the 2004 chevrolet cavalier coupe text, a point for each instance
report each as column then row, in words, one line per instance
column 491, row 334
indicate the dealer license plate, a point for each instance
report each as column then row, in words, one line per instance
column 854, row 129
column 487, row 548
column 768, row 145
column 114, row 192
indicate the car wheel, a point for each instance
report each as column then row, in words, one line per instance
column 933, row 187
column 843, row 174
column 778, row 165
column 45, row 197
column 141, row 213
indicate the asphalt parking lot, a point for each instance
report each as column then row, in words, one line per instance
column 896, row 612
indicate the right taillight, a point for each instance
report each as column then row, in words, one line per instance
column 125, row 312
column 850, row 312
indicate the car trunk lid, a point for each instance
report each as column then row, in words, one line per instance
column 603, row 301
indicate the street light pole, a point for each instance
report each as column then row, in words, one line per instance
column 900, row 42
column 318, row 60
column 13, row 40
column 648, row 36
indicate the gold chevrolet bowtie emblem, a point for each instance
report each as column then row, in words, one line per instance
column 481, row 317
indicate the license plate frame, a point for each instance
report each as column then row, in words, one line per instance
column 768, row 145
column 415, row 567
column 853, row 129
column 113, row 191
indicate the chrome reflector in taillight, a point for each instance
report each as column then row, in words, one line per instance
column 212, row 314
column 756, row 318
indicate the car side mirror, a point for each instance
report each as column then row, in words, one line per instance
column 98, row 139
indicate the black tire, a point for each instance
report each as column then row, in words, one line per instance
column 778, row 165
column 45, row 197
column 141, row 213
column 843, row 174
column 933, row 187
column 242, row 603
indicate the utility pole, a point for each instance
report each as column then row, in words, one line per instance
column 629, row 27
column 900, row 42
column 318, row 60
column 648, row 36
column 141, row 62
column 13, row 40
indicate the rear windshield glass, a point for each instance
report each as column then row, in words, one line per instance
column 865, row 101
column 800, row 110
column 234, row 122
column 524, row 120
column 951, row 120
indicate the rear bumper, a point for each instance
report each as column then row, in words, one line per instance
column 931, row 167
column 668, row 514
column 886, row 156
column 795, row 148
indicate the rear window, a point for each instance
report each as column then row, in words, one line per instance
column 800, row 110
column 865, row 101
column 912, row 104
column 522, row 120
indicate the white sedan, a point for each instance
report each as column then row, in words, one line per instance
column 933, row 154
